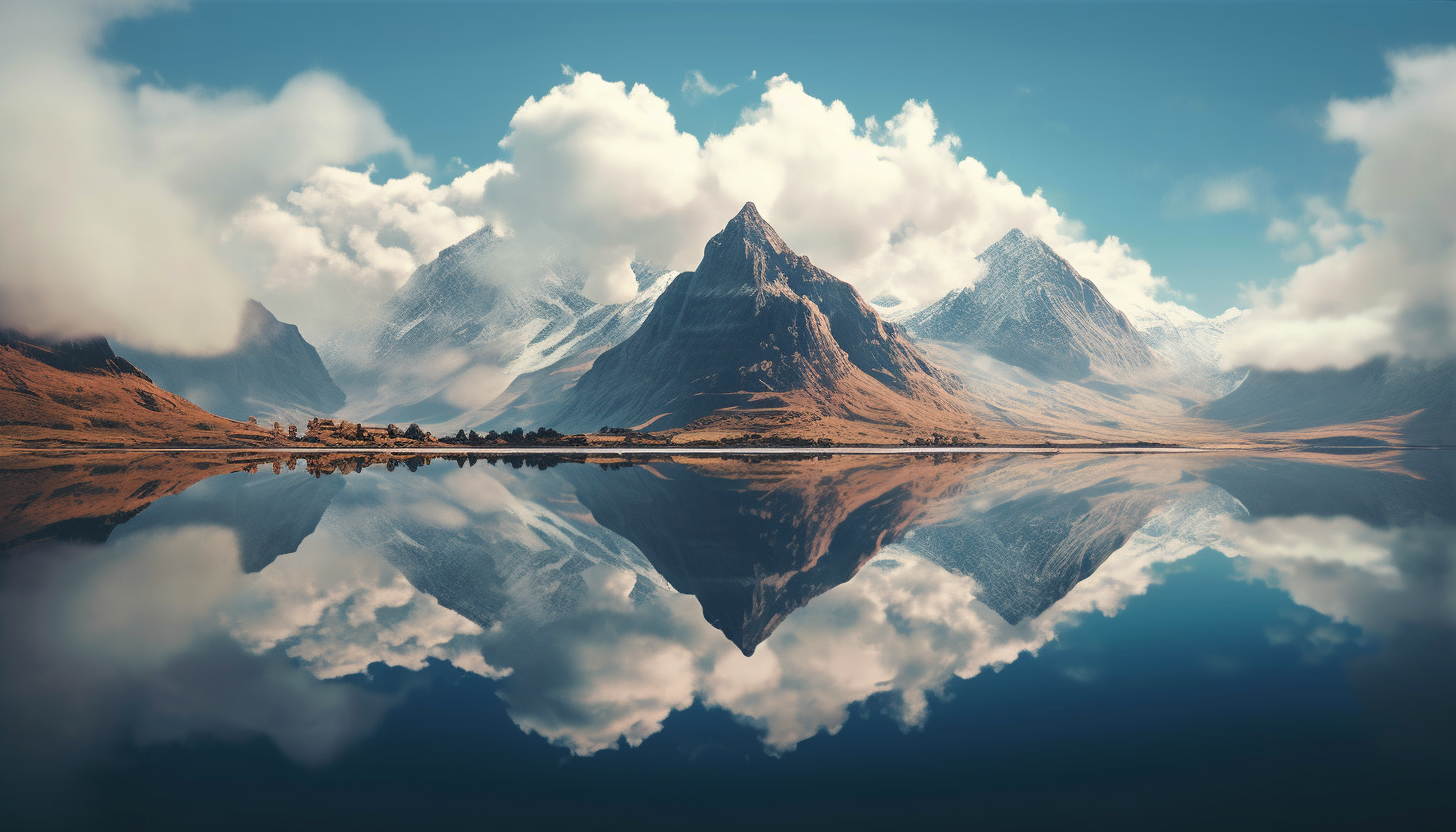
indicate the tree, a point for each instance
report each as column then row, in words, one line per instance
column 460, row 436
column 393, row 431
column 414, row 433
column 473, row 438
column 293, row 431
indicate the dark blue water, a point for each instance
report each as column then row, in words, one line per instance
column 1022, row 641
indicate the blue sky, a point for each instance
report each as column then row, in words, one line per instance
column 1118, row 112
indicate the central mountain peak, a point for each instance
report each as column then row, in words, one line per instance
column 759, row 339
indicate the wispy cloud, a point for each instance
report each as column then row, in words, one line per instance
column 1244, row 191
column 696, row 87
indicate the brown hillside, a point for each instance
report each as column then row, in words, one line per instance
column 81, row 394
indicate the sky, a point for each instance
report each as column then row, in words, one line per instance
column 1175, row 152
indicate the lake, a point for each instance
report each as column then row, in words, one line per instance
column 1174, row 640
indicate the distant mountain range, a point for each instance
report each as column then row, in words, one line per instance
column 758, row 340
column 1421, row 395
column 272, row 374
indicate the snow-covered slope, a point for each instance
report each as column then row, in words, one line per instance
column 1190, row 345
column 1033, row 310
column 448, row 343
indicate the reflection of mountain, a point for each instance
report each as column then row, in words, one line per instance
column 271, row 514
column 1027, row 553
column 482, row 548
column 755, row 540
column 1029, row 531
column 64, row 497
column 272, row 373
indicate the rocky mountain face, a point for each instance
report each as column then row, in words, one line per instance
column 447, row 344
column 1033, row 310
column 758, row 337
column 80, row 393
column 1424, row 393
column 273, row 374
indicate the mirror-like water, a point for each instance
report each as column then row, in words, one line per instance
column 1181, row 638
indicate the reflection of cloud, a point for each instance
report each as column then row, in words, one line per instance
column 1373, row 578
column 339, row 610
column 101, row 644
column 613, row 669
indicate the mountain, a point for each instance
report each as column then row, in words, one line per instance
column 759, row 339
column 446, row 346
column 1422, row 393
column 80, row 393
column 273, row 374
column 1033, row 310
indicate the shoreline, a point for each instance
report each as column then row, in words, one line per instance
column 659, row 450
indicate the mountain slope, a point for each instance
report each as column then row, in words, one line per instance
column 1033, row 310
column 757, row 338
column 80, row 393
column 1423, row 392
column 448, row 343
column 273, row 374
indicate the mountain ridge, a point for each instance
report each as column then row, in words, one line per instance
column 758, row 338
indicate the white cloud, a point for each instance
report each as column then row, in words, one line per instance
column 892, row 207
column 116, row 194
column 599, row 175
column 696, row 87
column 341, row 243
column 1387, row 287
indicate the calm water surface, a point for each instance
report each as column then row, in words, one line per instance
column 1161, row 640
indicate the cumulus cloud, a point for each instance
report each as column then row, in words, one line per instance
column 116, row 193
column 599, row 175
column 696, row 87
column 1386, row 283
column 341, row 243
